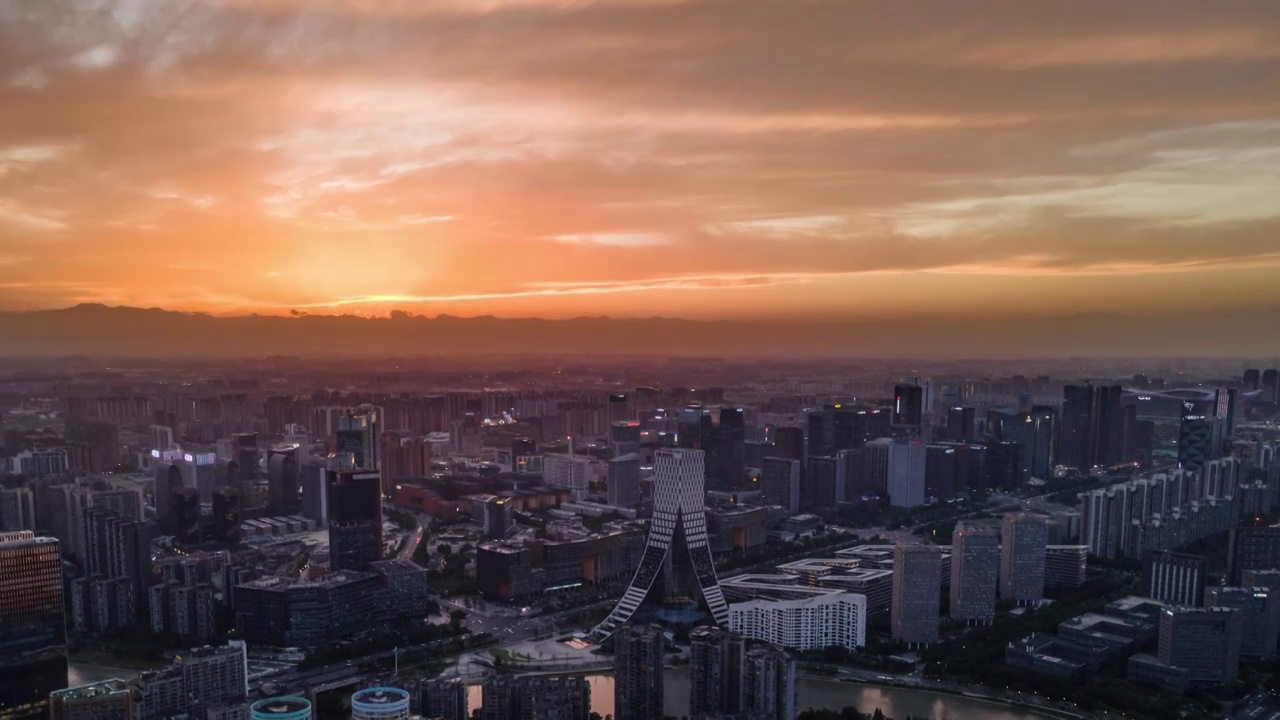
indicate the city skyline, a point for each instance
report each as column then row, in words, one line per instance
column 636, row 158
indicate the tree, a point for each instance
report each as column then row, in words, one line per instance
column 456, row 617
column 877, row 715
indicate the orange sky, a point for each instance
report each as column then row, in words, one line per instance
column 718, row 158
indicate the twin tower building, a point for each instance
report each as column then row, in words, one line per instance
column 676, row 570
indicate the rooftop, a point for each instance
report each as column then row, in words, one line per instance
column 96, row 690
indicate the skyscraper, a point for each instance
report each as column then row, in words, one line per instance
column 17, row 510
column 623, row 482
column 355, row 518
column 33, row 627
column 917, row 585
column 1260, row 617
column 897, row 465
column 825, row 482
column 769, row 684
column 1252, row 379
column 1092, row 429
column 1023, row 537
column 637, row 688
column 975, row 572
column 1195, row 438
column 715, row 667
column 676, row 549
column 1251, row 548
column 780, row 483
column 1270, row 385
column 908, row 406
column 960, row 424
column 357, row 434
column 1204, row 641
column 282, row 479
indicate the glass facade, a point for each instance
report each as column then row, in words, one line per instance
column 33, row 629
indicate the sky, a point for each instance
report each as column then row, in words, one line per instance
column 701, row 158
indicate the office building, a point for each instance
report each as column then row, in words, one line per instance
column 355, row 518
column 768, row 684
column 788, row 442
column 282, row 479
column 244, row 454
column 1065, row 565
column 835, row 428
column 536, row 698
column 1270, row 386
column 1023, row 539
column 917, row 584
column 380, row 703
column 313, row 477
column 897, row 469
column 571, row 472
column 1196, row 432
column 720, row 432
column 1203, row 641
column 960, row 424
column 715, row 667
column 106, row 700
column 677, row 559
column 356, row 434
column 1260, row 617
column 908, row 406
column 17, row 510
column 975, row 572
column 1092, row 429
column 33, row 655
column 780, row 483
column 812, row 623
column 1252, row 379
column 40, row 462
column 200, row 681
column 638, row 686
column 623, row 483
column 824, row 483
column 281, row 707
column 1174, row 577
column 444, row 698
column 940, row 471
column 1252, row 548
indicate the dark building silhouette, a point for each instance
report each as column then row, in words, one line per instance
column 1270, row 385
column 168, row 481
column 940, row 471
column 357, row 435
column 355, row 518
column 638, row 687
column 1092, row 431
column 224, row 525
column 244, row 451
column 908, row 406
column 535, row 698
column 1003, row 465
column 1251, row 548
column 715, row 666
column 960, row 424
column 788, row 442
column 721, row 434
column 1252, row 379
column 282, row 480
column 186, row 513
column 1195, row 438
column 33, row 626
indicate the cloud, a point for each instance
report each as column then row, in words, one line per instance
column 530, row 156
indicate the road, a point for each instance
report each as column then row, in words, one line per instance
column 415, row 538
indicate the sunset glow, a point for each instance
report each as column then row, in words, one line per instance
column 708, row 158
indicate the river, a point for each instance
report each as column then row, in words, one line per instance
column 823, row 695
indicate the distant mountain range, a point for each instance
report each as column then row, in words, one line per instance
column 99, row 330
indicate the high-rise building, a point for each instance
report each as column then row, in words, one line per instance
column 1174, row 577
column 106, row 700
column 825, row 483
column 536, row 698
column 282, row 479
column 214, row 675
column 1195, row 438
column 445, row 698
column 199, row 471
column 780, row 483
column 355, row 518
column 975, row 572
column 908, row 406
column 940, row 471
column 1204, row 641
column 917, row 584
column 313, row 477
column 1260, row 617
column 768, row 684
column 623, row 484
column 1270, row 385
column 788, row 442
column 570, row 472
column 960, row 424
column 637, row 684
column 357, row 434
column 715, row 666
column 835, row 428
column 1023, row 538
column 720, row 433
column 619, row 408
column 897, row 465
column 1092, row 430
column 380, row 703
column 17, row 510
column 1252, row 379
column 1251, row 548
column 677, row 548
column 244, row 452
column 168, row 481
column 33, row 626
